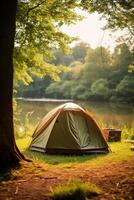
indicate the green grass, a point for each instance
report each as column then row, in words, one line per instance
column 120, row 151
column 23, row 143
column 74, row 190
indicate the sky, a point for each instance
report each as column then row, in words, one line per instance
column 89, row 30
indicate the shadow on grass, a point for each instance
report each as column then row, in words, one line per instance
column 24, row 143
column 61, row 159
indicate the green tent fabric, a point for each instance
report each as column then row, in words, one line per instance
column 69, row 129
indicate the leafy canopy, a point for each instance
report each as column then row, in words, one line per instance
column 38, row 32
column 119, row 15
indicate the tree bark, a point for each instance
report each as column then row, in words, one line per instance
column 9, row 153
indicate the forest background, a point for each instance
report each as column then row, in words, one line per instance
column 90, row 74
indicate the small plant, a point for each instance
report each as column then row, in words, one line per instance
column 128, row 132
column 74, row 190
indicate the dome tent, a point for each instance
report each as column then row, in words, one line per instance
column 68, row 129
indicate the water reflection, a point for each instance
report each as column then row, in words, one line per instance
column 109, row 114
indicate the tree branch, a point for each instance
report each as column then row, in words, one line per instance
column 36, row 6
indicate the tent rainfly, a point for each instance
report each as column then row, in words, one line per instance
column 69, row 129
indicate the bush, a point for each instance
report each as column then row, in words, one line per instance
column 100, row 89
column 125, row 90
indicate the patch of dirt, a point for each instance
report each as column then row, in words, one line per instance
column 34, row 181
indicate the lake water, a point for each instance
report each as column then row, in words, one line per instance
column 108, row 114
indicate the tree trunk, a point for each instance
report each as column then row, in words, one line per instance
column 9, row 153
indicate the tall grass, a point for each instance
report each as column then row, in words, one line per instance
column 128, row 132
column 74, row 190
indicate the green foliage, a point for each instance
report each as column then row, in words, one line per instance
column 62, row 59
column 128, row 132
column 122, row 56
column 79, row 92
column 39, row 39
column 125, row 88
column 100, row 56
column 123, row 18
column 119, row 15
column 100, row 89
column 97, row 64
column 103, row 76
column 79, row 51
column 38, row 32
column 55, row 90
column 35, row 89
column 30, row 63
column 76, row 54
column 74, row 190
column 66, row 88
column 39, row 22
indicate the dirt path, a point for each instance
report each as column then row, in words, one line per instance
column 33, row 181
